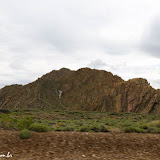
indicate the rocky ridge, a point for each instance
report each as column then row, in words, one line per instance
column 83, row 90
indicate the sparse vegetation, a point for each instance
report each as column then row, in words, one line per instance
column 131, row 129
column 25, row 122
column 25, row 134
column 42, row 121
column 38, row 127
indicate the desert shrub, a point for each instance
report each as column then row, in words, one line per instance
column 64, row 129
column 144, row 126
column 134, row 129
column 79, row 123
column 153, row 129
column 25, row 134
column 7, row 121
column 25, row 122
column 154, row 123
column 38, row 127
column 104, row 128
column 83, row 129
column 127, row 124
column 60, row 124
column 98, row 128
column 158, row 124
column 111, row 122
column 92, row 128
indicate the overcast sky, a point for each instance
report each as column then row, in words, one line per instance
column 120, row 36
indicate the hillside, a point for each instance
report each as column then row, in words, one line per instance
column 84, row 90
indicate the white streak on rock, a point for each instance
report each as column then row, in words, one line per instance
column 60, row 94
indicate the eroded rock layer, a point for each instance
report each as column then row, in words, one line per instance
column 85, row 90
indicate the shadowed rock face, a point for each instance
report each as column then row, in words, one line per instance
column 86, row 90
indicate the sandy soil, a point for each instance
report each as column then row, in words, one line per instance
column 80, row 146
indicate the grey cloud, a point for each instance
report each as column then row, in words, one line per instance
column 37, row 36
column 151, row 39
column 109, row 67
column 18, row 77
column 68, row 27
column 97, row 64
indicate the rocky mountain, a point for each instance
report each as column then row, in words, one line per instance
column 86, row 90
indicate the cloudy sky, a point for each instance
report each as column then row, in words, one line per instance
column 120, row 36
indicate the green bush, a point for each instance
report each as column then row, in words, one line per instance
column 98, row 128
column 92, row 128
column 153, row 129
column 104, row 129
column 25, row 122
column 134, row 129
column 25, row 134
column 38, row 127
column 144, row 126
column 83, row 129
column 5, row 119
column 64, row 129
column 158, row 124
column 127, row 124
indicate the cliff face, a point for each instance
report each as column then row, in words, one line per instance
column 85, row 89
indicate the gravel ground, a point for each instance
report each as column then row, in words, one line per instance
column 80, row 146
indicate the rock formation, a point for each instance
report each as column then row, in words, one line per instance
column 83, row 90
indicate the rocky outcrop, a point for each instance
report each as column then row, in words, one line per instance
column 86, row 90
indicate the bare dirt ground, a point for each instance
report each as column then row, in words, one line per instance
column 80, row 146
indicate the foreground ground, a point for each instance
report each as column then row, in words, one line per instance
column 80, row 146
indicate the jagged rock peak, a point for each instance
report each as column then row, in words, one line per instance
column 64, row 70
column 139, row 81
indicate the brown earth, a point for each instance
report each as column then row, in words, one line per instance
column 83, row 90
column 80, row 146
